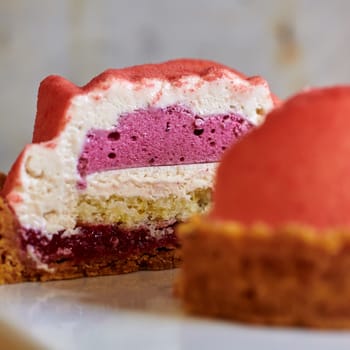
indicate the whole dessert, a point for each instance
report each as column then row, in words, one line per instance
column 116, row 164
column 275, row 248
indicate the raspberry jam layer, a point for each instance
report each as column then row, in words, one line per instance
column 97, row 241
column 160, row 136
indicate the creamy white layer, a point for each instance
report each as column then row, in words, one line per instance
column 151, row 182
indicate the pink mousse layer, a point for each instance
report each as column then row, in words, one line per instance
column 160, row 136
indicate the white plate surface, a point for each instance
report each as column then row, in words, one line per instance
column 134, row 311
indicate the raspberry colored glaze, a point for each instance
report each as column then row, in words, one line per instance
column 295, row 168
column 160, row 136
column 97, row 241
column 55, row 92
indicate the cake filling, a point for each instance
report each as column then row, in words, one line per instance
column 137, row 210
column 114, row 226
column 160, row 136
column 123, row 227
column 99, row 241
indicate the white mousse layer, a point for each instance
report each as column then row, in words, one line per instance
column 151, row 182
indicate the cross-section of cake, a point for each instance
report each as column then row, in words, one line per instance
column 116, row 164
column 275, row 248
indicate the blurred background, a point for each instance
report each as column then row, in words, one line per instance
column 293, row 44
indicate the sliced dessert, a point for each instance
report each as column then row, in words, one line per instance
column 275, row 248
column 116, row 164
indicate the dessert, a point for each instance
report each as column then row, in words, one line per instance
column 116, row 164
column 275, row 248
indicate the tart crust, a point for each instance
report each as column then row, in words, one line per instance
column 288, row 276
column 155, row 260
column 2, row 180
column 11, row 268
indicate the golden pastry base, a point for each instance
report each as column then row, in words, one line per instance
column 290, row 276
